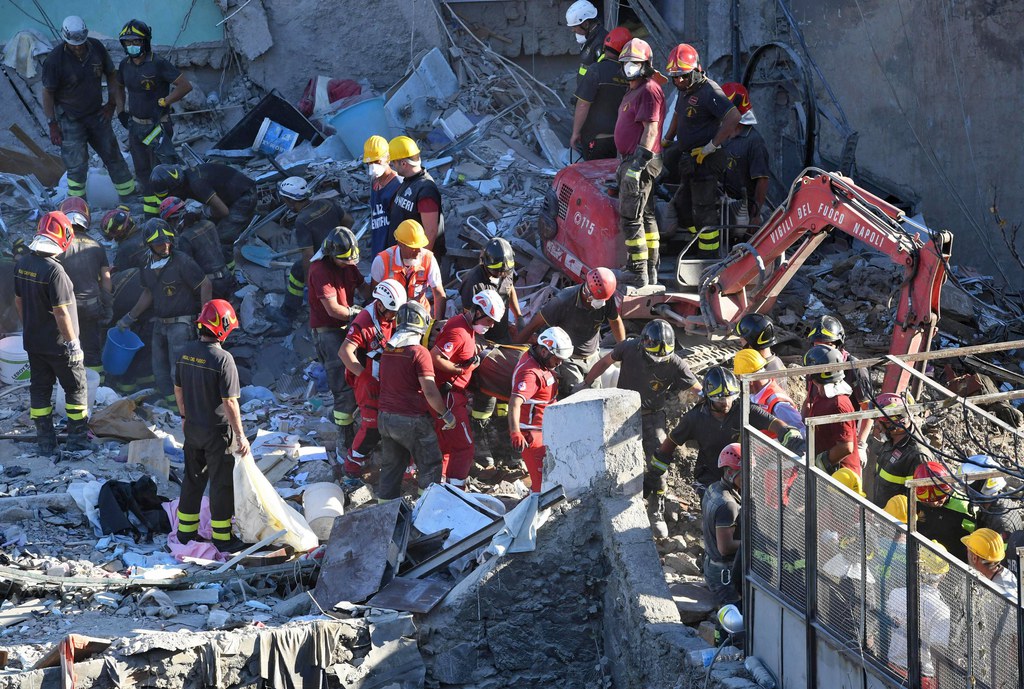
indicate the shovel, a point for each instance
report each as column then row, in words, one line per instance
column 263, row 255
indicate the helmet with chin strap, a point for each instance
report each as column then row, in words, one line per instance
column 658, row 340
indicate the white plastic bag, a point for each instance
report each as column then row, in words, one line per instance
column 261, row 512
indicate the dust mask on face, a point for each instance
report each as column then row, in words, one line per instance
column 598, row 303
column 493, row 279
column 632, row 69
column 580, row 38
column 480, row 328
column 133, row 50
column 376, row 169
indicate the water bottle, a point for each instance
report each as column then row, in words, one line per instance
column 761, row 674
column 703, row 657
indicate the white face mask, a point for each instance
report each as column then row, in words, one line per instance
column 632, row 69
column 480, row 328
column 580, row 38
column 598, row 303
column 493, row 279
column 376, row 169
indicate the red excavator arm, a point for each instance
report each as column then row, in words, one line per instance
column 818, row 203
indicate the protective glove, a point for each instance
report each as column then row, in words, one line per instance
column 107, row 111
column 449, row 420
column 518, row 441
column 353, row 311
column 472, row 363
column 124, row 118
column 75, row 353
column 126, row 321
column 638, row 163
column 701, row 153
column 794, row 442
column 655, row 482
column 56, row 137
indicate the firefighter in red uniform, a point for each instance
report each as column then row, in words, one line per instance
column 367, row 334
column 455, row 355
column 534, row 386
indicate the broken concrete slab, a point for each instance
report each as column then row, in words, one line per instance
column 694, row 601
column 409, row 103
column 246, row 26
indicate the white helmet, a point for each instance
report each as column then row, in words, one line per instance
column 556, row 341
column 490, row 303
column 579, row 12
column 74, row 31
column 294, row 188
column 390, row 294
column 978, row 463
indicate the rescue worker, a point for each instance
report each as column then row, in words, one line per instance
column 153, row 85
column 364, row 343
column 933, row 615
column 835, row 444
column 757, row 332
column 45, row 299
column 747, row 174
column 228, row 197
column 589, row 32
column 412, row 265
column 598, row 95
column 384, row 184
column 139, row 376
column 986, row 552
column 769, row 394
column 1001, row 514
column 85, row 262
column 316, row 219
column 131, row 251
column 197, row 237
column 703, row 120
column 334, row 278
column 828, row 331
column 720, row 511
column 174, row 286
column 417, row 198
column 77, row 116
column 409, row 401
column 206, row 389
column 534, row 386
column 943, row 516
column 455, row 355
column 900, row 453
column 638, row 142
column 580, row 312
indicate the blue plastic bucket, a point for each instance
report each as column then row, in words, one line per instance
column 357, row 123
column 274, row 139
column 119, row 350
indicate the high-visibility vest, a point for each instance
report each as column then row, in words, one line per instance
column 414, row 279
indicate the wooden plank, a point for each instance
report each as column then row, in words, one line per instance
column 36, row 150
column 20, row 613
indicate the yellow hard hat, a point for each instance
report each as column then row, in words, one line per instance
column 376, row 148
column 986, row 544
column 748, row 361
column 850, row 479
column 402, row 147
column 411, row 234
column 897, row 507
column 933, row 563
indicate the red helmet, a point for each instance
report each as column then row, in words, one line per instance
column 56, row 227
column 601, row 283
column 681, row 60
column 219, row 319
column 77, row 211
column 731, row 457
column 117, row 224
column 938, row 491
column 616, row 38
column 172, row 208
column 636, row 50
column 737, row 93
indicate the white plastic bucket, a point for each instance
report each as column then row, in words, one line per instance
column 13, row 361
column 92, row 379
column 273, row 138
column 322, row 503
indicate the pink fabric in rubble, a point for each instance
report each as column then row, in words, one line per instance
column 199, row 549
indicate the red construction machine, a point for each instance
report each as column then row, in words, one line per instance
column 579, row 230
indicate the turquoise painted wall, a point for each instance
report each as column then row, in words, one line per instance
column 106, row 17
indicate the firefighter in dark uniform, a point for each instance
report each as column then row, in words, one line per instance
column 581, row 18
column 228, row 195
column 119, row 227
column 148, row 80
column 45, row 299
column 597, row 100
column 942, row 515
column 73, row 103
column 175, row 287
column 900, row 454
column 206, row 389
column 747, row 174
column 86, row 264
column 704, row 119
column 197, row 237
column 756, row 331
column 139, row 376
column 418, row 198
column 315, row 220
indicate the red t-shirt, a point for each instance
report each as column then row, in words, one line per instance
column 369, row 338
column 828, row 436
column 457, row 344
column 327, row 280
column 537, row 386
column 400, row 371
column 645, row 103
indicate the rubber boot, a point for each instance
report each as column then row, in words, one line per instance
column 653, row 263
column 636, row 273
column 46, row 436
column 78, row 438
column 656, row 513
column 481, row 444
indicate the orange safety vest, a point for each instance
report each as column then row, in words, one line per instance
column 416, row 281
column 769, row 396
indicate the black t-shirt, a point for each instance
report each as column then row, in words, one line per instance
column 654, row 380
column 700, row 113
column 406, row 205
column 475, row 280
column 127, row 286
column 712, row 435
column 603, row 87
column 316, row 221
column 201, row 243
column 582, row 323
column 174, row 286
column 83, row 261
column 896, row 461
column 77, row 85
column 720, row 509
column 42, row 284
column 591, row 51
column 207, row 376
column 203, row 181
column 131, row 253
column 747, row 162
column 146, row 83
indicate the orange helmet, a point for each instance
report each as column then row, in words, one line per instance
column 55, row 227
column 219, row 319
column 681, row 60
column 77, row 211
column 636, row 50
column 601, row 283
column 939, row 490
column 617, row 38
column 737, row 93
column 172, row 208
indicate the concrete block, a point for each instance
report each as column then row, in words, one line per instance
column 694, row 601
column 456, row 665
column 593, row 440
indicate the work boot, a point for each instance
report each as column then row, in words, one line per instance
column 656, row 513
column 348, row 435
column 186, row 538
column 653, row 263
column 481, row 443
column 231, row 546
column 78, row 438
column 46, row 436
column 636, row 274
